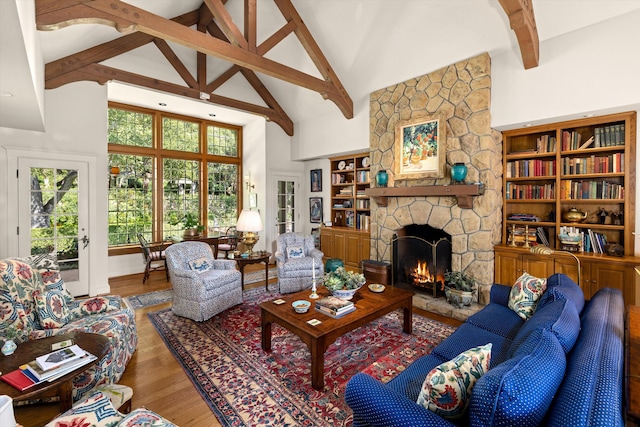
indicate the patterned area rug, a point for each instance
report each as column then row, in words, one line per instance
column 160, row 297
column 244, row 386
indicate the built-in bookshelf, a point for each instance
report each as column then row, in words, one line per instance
column 350, row 177
column 586, row 164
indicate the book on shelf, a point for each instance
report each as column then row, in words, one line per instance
column 18, row 379
column 334, row 304
column 34, row 370
column 587, row 143
column 59, row 357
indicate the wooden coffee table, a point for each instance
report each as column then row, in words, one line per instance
column 98, row 345
column 369, row 306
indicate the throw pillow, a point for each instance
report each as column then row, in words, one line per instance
column 95, row 410
column 19, row 279
column 49, row 269
column 447, row 388
column 525, row 294
column 96, row 305
column 295, row 252
column 200, row 264
column 51, row 309
column 143, row 417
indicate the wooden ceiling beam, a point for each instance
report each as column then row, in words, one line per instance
column 108, row 50
column 175, row 62
column 123, row 15
column 523, row 23
column 251, row 24
column 226, row 24
column 276, row 38
column 102, row 74
column 315, row 53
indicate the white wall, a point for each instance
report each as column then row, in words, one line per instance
column 75, row 124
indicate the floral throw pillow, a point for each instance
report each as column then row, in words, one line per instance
column 295, row 252
column 96, row 410
column 525, row 294
column 143, row 417
column 447, row 388
column 200, row 264
column 51, row 308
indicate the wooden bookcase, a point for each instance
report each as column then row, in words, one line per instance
column 546, row 173
column 350, row 206
column 550, row 169
column 348, row 238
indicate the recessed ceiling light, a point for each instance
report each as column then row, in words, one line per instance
column 528, row 125
column 162, row 104
column 211, row 115
column 6, row 94
column 589, row 115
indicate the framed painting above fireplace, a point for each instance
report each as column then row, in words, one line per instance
column 420, row 148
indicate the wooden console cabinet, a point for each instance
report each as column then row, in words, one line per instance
column 597, row 270
column 350, row 245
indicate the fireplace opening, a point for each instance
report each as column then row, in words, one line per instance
column 421, row 255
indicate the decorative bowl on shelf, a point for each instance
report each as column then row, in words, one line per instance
column 301, row 306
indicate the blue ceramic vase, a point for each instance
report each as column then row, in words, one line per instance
column 458, row 173
column 382, row 178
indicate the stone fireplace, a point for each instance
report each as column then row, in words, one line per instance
column 460, row 92
column 421, row 255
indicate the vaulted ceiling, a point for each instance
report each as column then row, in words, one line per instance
column 266, row 57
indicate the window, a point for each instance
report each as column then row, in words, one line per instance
column 163, row 167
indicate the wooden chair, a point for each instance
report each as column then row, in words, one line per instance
column 153, row 254
column 228, row 242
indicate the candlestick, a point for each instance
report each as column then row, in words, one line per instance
column 314, row 295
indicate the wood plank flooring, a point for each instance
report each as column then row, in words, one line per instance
column 158, row 381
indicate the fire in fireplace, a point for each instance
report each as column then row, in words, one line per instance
column 421, row 255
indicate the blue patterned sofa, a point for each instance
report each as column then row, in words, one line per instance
column 35, row 302
column 561, row 367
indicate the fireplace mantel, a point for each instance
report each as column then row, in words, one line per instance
column 464, row 192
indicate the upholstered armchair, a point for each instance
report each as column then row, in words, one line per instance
column 295, row 258
column 202, row 285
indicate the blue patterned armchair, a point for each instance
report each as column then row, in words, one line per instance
column 295, row 257
column 202, row 285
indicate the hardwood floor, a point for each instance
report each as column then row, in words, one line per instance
column 159, row 382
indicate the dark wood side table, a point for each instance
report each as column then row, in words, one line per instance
column 632, row 363
column 98, row 345
column 255, row 258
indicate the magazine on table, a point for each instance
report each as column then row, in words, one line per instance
column 59, row 357
column 334, row 304
column 33, row 370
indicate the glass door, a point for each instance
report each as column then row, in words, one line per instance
column 53, row 216
column 286, row 205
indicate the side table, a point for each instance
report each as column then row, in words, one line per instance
column 255, row 258
column 95, row 344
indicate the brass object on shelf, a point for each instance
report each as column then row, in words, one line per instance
column 574, row 215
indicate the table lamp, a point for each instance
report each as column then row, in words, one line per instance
column 249, row 224
column 546, row 250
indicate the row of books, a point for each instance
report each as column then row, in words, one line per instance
column 362, row 177
column 523, row 217
column 339, row 178
column 573, row 141
column 593, row 190
column 363, row 204
column 609, row 136
column 594, row 241
column 529, row 191
column 546, row 144
column 334, row 306
column 48, row 368
column 613, row 163
column 363, row 221
column 526, row 168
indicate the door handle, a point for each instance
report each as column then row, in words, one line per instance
column 85, row 241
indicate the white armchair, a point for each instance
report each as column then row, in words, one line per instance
column 202, row 286
column 295, row 257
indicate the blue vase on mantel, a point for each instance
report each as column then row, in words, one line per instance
column 382, row 178
column 458, row 173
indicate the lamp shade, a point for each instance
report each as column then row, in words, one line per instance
column 249, row 221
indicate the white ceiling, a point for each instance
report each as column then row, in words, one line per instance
column 360, row 39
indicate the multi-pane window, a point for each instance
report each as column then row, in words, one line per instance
column 164, row 168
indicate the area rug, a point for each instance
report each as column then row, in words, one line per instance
column 245, row 386
column 160, row 297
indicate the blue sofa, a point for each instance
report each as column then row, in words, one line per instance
column 562, row 367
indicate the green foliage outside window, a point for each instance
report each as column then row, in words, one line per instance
column 135, row 190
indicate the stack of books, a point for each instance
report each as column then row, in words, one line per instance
column 48, row 367
column 334, row 306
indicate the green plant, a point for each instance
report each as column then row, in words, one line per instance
column 459, row 280
column 343, row 279
column 189, row 220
